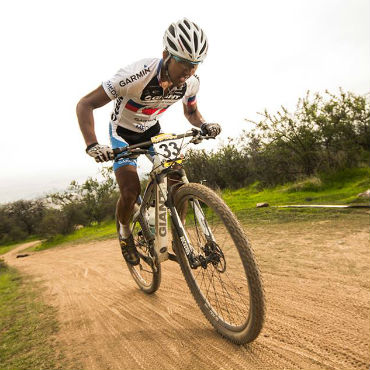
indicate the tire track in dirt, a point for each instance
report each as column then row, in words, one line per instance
column 315, row 327
column 317, row 310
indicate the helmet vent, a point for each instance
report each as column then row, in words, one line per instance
column 184, row 42
column 173, row 46
column 172, row 30
column 195, row 42
column 187, row 24
column 185, row 32
column 203, row 48
column 196, row 26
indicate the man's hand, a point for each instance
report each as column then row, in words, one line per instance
column 210, row 129
column 101, row 153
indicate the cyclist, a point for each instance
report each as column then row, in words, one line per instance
column 141, row 92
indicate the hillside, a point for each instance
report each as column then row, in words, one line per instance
column 338, row 188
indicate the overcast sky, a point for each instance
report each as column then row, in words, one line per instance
column 262, row 54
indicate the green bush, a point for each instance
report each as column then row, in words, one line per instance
column 325, row 134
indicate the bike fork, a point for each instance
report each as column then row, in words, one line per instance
column 198, row 212
column 194, row 261
column 199, row 215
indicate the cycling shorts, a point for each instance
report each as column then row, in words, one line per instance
column 121, row 137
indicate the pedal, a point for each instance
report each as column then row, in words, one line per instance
column 173, row 257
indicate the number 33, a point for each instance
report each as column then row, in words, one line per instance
column 168, row 152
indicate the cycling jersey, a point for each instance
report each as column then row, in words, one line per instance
column 139, row 98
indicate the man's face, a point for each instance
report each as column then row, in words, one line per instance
column 180, row 70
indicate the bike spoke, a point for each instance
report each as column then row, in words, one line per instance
column 225, row 300
column 220, row 307
column 233, row 300
column 143, row 269
column 229, row 303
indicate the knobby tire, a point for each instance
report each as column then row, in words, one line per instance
column 223, row 306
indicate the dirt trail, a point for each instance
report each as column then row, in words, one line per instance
column 316, row 278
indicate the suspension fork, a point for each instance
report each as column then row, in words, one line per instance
column 183, row 237
column 198, row 211
column 179, row 229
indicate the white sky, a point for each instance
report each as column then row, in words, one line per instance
column 262, row 54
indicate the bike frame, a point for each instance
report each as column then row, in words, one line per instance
column 157, row 189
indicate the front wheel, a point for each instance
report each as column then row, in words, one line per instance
column 226, row 285
column 147, row 274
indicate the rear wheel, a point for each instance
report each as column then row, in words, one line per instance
column 227, row 285
column 147, row 274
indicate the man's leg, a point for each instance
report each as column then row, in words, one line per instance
column 129, row 185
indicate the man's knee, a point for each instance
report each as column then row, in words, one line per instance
column 128, row 198
column 129, row 184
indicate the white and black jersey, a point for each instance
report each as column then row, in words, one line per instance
column 138, row 95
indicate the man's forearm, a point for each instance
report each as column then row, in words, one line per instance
column 195, row 118
column 86, row 121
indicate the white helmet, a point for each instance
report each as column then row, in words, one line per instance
column 186, row 40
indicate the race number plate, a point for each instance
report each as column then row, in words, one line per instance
column 168, row 147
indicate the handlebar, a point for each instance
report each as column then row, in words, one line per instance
column 138, row 148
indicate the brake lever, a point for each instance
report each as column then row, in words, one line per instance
column 197, row 139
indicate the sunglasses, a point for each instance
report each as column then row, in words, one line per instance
column 182, row 60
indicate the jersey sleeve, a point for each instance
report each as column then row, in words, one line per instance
column 126, row 78
column 112, row 86
column 190, row 97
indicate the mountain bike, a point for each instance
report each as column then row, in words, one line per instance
column 208, row 242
